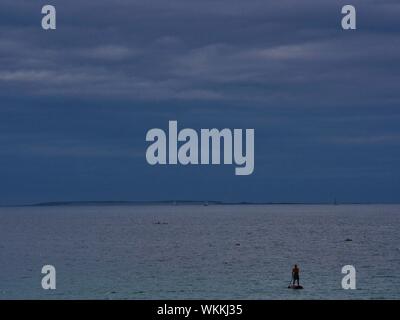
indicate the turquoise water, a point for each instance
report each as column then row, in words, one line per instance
column 196, row 252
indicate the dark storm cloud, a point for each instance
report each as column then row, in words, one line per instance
column 75, row 103
column 273, row 52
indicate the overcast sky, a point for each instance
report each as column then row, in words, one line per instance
column 76, row 103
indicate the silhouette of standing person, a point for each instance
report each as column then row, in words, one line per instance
column 295, row 275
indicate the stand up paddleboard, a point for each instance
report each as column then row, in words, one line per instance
column 295, row 287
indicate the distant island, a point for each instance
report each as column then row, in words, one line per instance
column 119, row 203
column 178, row 202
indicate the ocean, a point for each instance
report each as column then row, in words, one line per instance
column 199, row 252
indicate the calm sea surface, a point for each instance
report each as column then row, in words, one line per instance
column 195, row 252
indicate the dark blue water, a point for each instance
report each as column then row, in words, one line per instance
column 191, row 252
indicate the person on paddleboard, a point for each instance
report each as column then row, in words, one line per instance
column 295, row 275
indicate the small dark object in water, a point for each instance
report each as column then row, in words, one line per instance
column 158, row 222
column 292, row 286
column 237, row 244
column 348, row 239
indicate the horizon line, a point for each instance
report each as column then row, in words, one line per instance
column 197, row 202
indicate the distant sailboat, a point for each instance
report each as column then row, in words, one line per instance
column 335, row 203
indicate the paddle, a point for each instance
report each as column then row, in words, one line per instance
column 290, row 283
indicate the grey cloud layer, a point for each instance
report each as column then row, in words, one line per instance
column 273, row 52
